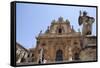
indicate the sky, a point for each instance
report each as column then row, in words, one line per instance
column 32, row 18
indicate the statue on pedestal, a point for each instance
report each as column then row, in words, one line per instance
column 87, row 22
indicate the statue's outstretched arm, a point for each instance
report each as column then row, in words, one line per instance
column 80, row 20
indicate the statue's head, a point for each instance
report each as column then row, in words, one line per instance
column 84, row 13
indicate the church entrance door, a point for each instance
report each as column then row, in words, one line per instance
column 59, row 55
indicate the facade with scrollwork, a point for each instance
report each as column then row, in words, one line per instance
column 62, row 43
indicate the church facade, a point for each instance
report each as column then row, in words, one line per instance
column 62, row 43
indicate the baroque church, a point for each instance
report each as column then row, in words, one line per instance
column 61, row 43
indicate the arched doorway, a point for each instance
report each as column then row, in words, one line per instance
column 59, row 55
column 76, row 56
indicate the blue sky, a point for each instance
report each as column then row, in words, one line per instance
column 32, row 18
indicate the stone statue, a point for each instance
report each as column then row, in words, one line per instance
column 40, row 33
column 73, row 29
column 47, row 31
column 87, row 22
